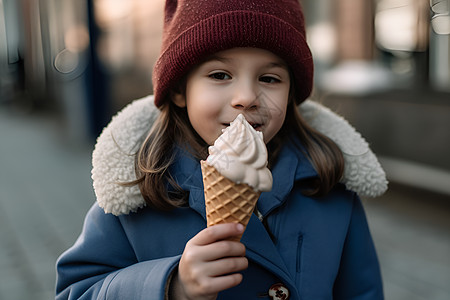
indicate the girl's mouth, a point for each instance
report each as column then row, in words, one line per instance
column 256, row 126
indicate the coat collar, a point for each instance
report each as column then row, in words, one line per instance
column 113, row 156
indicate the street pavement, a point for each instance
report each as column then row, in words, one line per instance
column 46, row 189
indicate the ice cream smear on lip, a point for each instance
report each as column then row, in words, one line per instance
column 240, row 154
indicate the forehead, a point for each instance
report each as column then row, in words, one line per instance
column 236, row 54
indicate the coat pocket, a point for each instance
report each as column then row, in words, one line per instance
column 299, row 253
column 299, row 262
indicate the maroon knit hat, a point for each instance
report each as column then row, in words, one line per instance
column 196, row 29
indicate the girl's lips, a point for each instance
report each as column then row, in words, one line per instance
column 256, row 126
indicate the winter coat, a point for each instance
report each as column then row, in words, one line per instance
column 317, row 248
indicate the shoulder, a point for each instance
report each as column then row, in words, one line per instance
column 96, row 218
column 348, row 206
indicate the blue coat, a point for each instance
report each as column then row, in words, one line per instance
column 322, row 247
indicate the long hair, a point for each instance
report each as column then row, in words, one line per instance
column 325, row 156
column 157, row 153
column 172, row 128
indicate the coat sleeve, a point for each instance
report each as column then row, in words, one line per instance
column 102, row 265
column 359, row 275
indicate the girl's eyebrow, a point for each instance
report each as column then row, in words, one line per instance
column 218, row 58
column 274, row 64
column 278, row 64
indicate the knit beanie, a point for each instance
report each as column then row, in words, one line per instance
column 196, row 29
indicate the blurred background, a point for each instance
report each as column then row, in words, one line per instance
column 67, row 66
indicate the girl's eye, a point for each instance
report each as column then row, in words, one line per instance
column 220, row 76
column 269, row 79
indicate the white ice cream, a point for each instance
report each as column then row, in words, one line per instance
column 241, row 155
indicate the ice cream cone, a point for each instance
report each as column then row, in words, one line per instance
column 225, row 200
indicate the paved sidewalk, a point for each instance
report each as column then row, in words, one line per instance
column 45, row 191
column 411, row 230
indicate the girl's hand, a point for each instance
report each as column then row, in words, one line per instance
column 209, row 263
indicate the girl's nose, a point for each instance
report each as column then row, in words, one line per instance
column 245, row 97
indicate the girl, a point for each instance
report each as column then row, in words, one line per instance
column 310, row 239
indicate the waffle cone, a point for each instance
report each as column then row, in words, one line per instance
column 225, row 200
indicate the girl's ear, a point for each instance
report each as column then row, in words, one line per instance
column 179, row 99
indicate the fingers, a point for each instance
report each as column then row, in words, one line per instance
column 204, row 280
column 214, row 285
column 209, row 244
column 215, row 259
column 217, row 233
column 220, row 249
column 226, row 266
column 209, row 262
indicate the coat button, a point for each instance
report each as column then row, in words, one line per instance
column 279, row 291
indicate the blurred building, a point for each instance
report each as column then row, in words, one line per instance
column 383, row 64
column 82, row 59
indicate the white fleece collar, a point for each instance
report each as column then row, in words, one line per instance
column 113, row 156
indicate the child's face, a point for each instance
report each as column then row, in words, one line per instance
column 251, row 81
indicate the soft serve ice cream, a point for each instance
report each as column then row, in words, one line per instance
column 241, row 155
column 234, row 174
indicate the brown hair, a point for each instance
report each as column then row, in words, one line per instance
column 325, row 156
column 172, row 128
column 157, row 153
